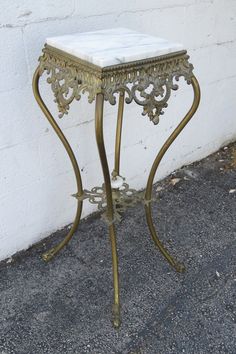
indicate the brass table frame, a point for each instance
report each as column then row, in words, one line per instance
column 149, row 83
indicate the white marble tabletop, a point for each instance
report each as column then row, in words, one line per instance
column 113, row 46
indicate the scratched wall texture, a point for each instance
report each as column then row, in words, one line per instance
column 36, row 178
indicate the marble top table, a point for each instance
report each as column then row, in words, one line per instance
column 113, row 46
column 108, row 65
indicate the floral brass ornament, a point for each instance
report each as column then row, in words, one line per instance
column 123, row 198
column 68, row 80
column 148, row 82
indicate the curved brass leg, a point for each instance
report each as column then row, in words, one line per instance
column 116, row 170
column 148, row 195
column 105, row 168
column 47, row 256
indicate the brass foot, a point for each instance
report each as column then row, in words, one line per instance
column 47, row 256
column 179, row 267
column 116, row 316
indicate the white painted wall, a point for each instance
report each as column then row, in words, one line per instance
column 36, row 178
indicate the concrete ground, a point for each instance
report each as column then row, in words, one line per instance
column 65, row 306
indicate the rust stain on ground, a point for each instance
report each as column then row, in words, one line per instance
column 230, row 160
column 233, row 156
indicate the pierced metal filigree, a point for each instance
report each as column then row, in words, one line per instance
column 68, row 78
column 123, row 198
column 148, row 82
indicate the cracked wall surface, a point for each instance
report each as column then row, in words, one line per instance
column 36, row 178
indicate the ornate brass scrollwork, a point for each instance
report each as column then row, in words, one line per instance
column 148, row 82
column 122, row 198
